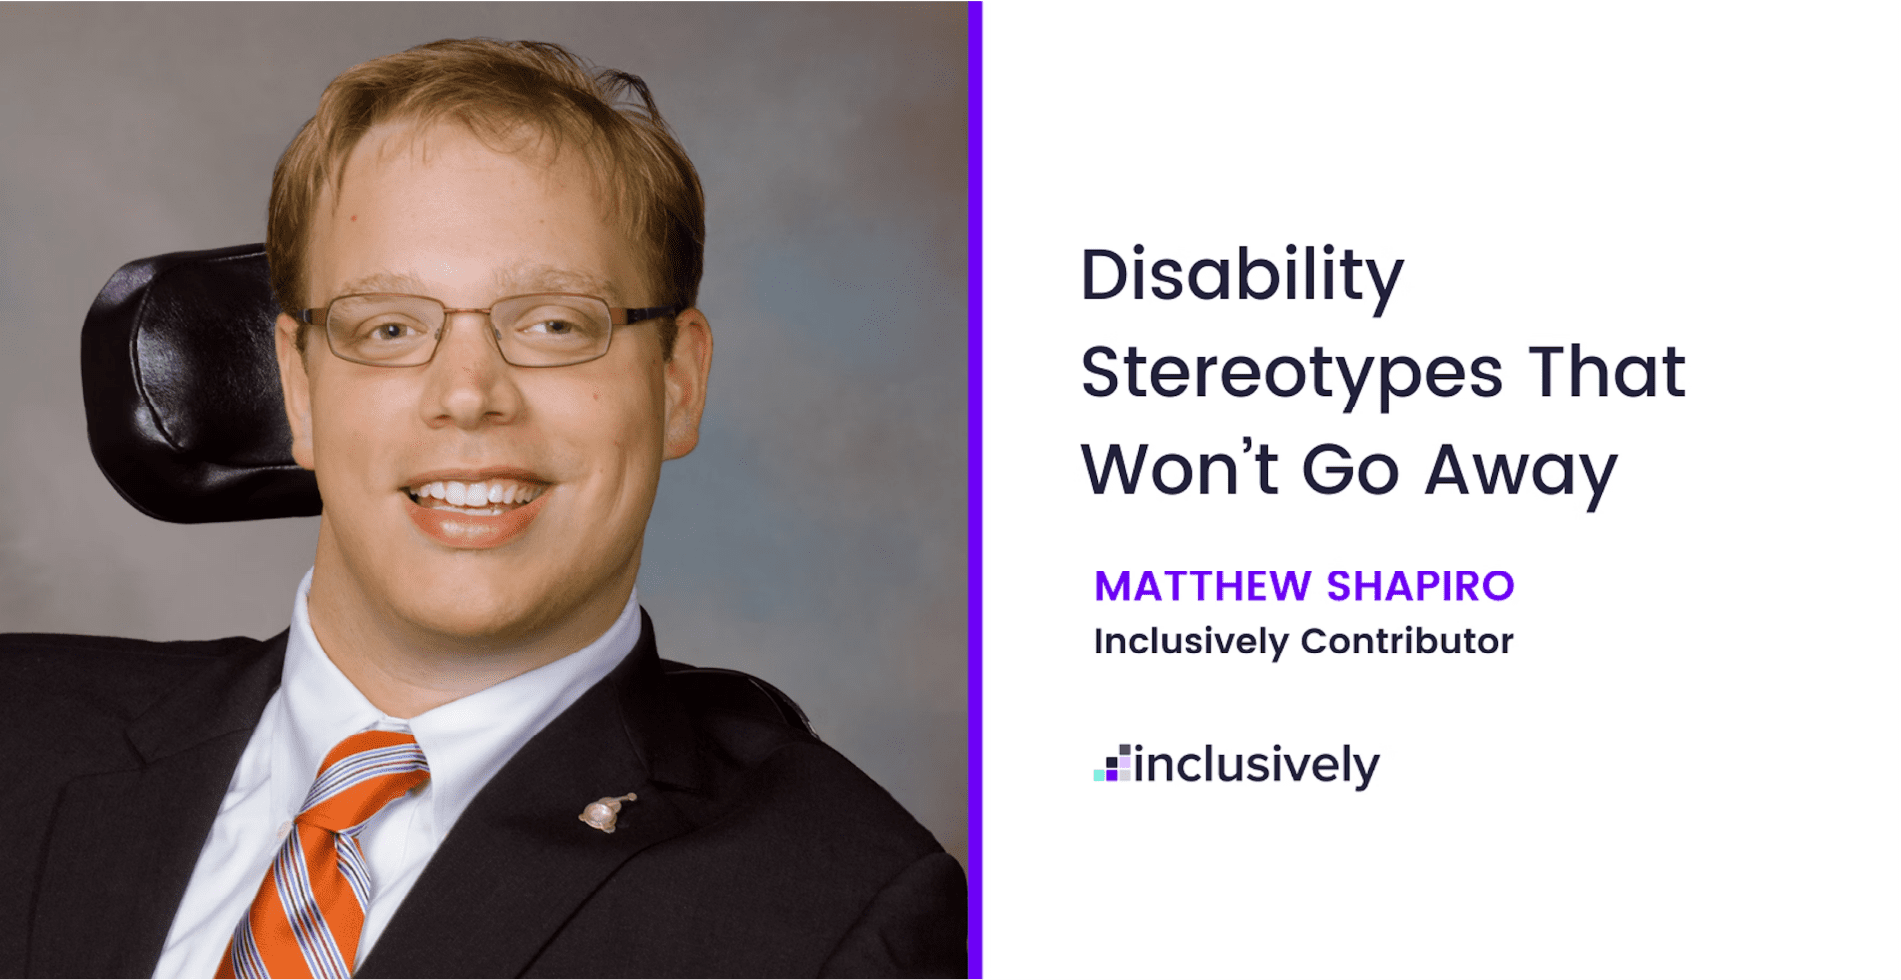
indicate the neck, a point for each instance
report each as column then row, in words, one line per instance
column 405, row 668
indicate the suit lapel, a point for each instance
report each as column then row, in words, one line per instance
column 123, row 844
column 519, row 861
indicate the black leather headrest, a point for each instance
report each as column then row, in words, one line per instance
column 183, row 407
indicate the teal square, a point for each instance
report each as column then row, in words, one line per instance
column 1099, row 775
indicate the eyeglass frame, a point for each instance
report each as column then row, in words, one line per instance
column 634, row 314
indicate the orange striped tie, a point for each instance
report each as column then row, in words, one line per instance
column 308, row 914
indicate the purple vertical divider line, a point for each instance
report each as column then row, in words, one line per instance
column 973, row 449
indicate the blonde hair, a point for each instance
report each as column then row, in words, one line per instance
column 498, row 89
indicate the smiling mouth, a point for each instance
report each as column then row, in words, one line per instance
column 475, row 498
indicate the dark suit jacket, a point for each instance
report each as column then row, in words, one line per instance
column 753, row 849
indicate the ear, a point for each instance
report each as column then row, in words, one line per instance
column 686, row 374
column 293, row 372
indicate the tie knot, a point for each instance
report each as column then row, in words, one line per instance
column 363, row 774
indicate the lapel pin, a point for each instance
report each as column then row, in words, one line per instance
column 601, row 813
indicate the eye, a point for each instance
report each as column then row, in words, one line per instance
column 553, row 327
column 390, row 330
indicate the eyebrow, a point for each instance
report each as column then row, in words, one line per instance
column 383, row 282
column 550, row 279
column 512, row 281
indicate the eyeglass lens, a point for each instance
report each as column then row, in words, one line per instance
column 541, row 330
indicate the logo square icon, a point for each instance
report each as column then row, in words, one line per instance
column 1118, row 768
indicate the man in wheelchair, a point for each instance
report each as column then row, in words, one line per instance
column 465, row 756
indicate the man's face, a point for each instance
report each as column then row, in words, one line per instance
column 567, row 458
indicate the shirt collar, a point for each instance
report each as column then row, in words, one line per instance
column 466, row 741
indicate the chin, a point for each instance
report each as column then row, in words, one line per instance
column 480, row 619
column 514, row 595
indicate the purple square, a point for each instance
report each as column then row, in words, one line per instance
column 1109, row 774
column 1125, row 762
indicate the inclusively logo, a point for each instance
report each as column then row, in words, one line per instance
column 1131, row 765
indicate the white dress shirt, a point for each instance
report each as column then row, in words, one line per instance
column 466, row 742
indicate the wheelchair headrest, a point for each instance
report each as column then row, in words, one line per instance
column 183, row 407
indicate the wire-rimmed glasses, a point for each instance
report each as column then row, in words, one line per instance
column 534, row 330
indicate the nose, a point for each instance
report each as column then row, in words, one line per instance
column 469, row 384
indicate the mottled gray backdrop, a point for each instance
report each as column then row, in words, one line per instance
column 816, row 537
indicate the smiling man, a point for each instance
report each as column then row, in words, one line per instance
column 465, row 756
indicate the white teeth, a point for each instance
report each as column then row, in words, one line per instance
column 485, row 494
